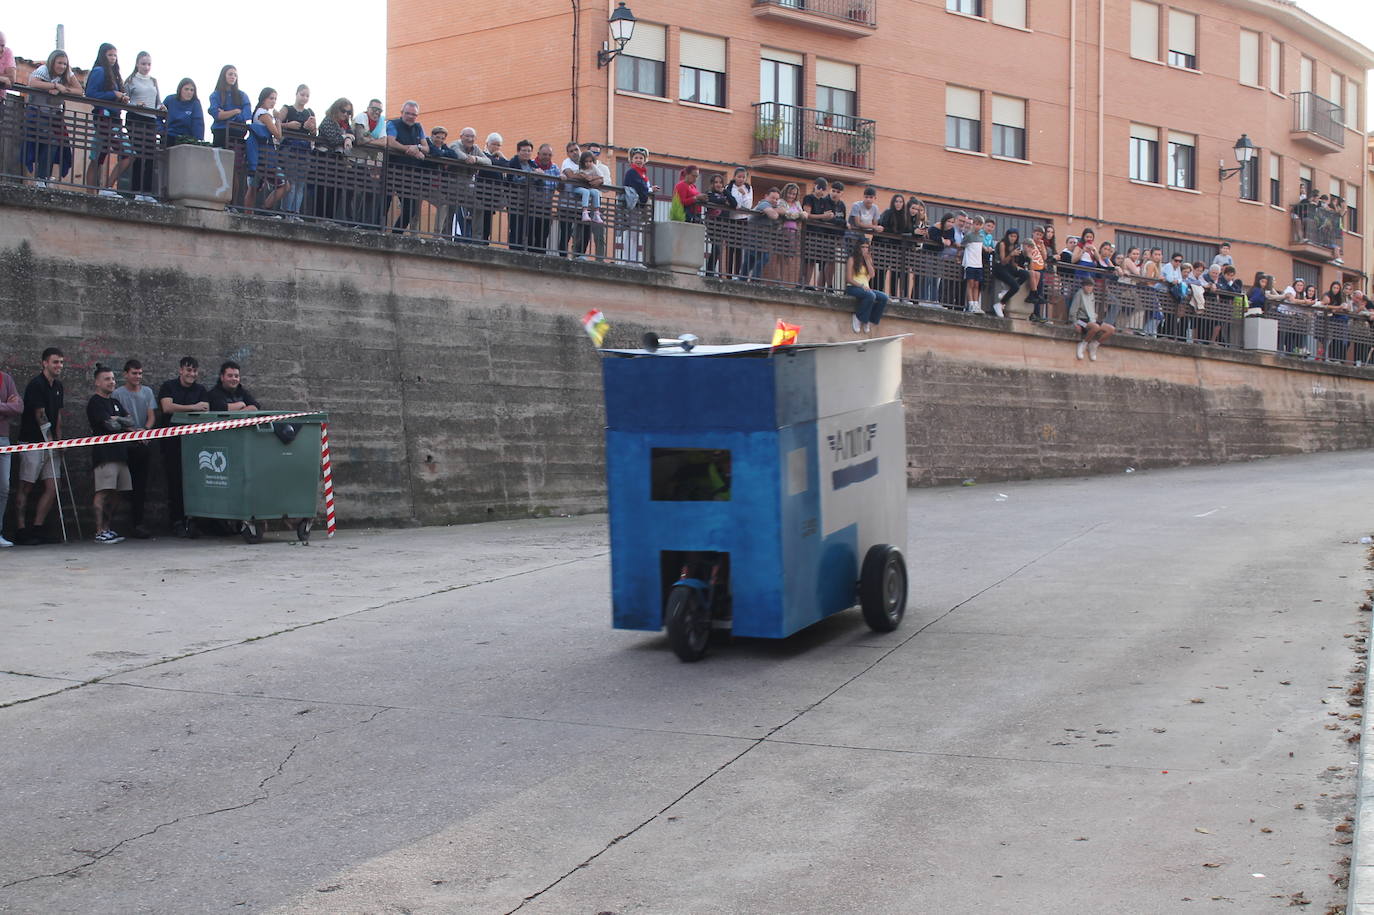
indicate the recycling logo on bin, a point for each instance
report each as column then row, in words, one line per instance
column 213, row 463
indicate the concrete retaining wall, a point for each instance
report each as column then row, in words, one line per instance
column 461, row 386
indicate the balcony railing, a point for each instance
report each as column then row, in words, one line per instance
column 813, row 135
column 1318, row 117
column 858, row 12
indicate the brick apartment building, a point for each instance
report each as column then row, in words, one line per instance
column 1109, row 113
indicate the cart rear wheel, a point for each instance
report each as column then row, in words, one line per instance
column 303, row 529
column 689, row 625
column 252, row 531
column 882, row 588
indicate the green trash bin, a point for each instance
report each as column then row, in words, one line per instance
column 249, row 474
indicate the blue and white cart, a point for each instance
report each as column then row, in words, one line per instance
column 754, row 489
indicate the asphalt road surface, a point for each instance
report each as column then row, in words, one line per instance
column 1124, row 694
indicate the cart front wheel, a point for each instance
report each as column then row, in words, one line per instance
column 882, row 588
column 689, row 625
column 303, row 529
column 252, row 531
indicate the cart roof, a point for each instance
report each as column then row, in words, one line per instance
column 744, row 349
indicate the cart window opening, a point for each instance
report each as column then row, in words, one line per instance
column 690, row 474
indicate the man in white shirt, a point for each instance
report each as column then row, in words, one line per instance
column 864, row 216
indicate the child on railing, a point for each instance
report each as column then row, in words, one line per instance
column 589, row 196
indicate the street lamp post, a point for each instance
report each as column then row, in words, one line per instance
column 622, row 25
column 1245, row 151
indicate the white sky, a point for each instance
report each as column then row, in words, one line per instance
column 337, row 48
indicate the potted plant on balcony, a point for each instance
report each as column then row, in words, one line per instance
column 858, row 12
column 860, row 144
column 766, row 135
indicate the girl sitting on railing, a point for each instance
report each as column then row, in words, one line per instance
column 588, row 196
column 869, row 304
column 264, row 167
column 1083, row 314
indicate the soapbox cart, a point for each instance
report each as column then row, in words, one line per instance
column 755, row 489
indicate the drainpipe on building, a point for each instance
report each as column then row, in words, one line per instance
column 1073, row 100
column 610, row 88
column 1101, row 76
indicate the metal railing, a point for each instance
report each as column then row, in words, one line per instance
column 815, row 135
column 776, row 253
column 1148, row 308
column 1323, row 334
column 59, row 140
column 371, row 188
column 863, row 12
column 1319, row 116
column 124, row 153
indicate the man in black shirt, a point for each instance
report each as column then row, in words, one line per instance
column 42, row 420
column 111, row 461
column 183, row 394
column 820, row 215
column 229, row 394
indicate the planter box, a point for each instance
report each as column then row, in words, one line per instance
column 200, row 176
column 679, row 246
column 1261, row 334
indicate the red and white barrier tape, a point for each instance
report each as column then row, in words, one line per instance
column 139, row 435
column 328, row 478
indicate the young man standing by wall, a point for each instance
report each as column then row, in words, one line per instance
column 137, row 398
column 110, row 461
column 42, row 418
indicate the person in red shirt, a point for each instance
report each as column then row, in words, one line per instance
column 687, row 194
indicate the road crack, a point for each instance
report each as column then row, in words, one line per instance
column 263, row 793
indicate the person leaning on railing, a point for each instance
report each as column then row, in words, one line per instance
column 105, row 84
column 333, row 144
column 142, row 90
column 298, row 128
column 230, row 107
column 185, row 119
column 261, row 149
column 45, row 132
column 8, row 71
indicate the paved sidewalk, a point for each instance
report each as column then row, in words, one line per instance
column 1124, row 694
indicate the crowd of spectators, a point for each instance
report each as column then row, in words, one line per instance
column 777, row 234
column 119, row 468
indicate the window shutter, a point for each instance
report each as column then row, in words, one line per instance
column 963, row 103
column 649, row 42
column 1249, row 57
column 837, row 75
column 782, row 57
column 704, row 52
column 1141, row 132
column 1009, row 12
column 1144, row 30
column 1009, row 112
column 1182, row 32
column 1275, row 66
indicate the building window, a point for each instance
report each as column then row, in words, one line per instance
column 1305, row 68
column 1009, row 12
column 1352, row 210
column 640, row 67
column 837, row 97
column 1305, row 182
column 701, row 69
column 1144, row 30
column 963, row 119
column 1337, row 97
column 1249, row 57
column 1352, row 104
column 1182, row 160
column 1275, row 181
column 1009, row 127
column 1182, row 39
column 1249, row 179
column 1275, row 66
column 1311, row 274
column 1144, row 153
column 971, row 7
